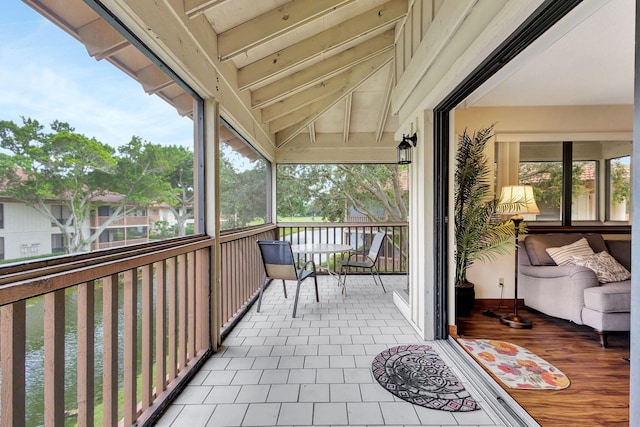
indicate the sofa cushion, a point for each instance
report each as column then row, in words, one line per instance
column 564, row 254
column 621, row 251
column 605, row 266
column 536, row 245
column 609, row 298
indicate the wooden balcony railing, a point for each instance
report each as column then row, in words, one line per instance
column 129, row 325
column 133, row 324
column 241, row 272
column 392, row 259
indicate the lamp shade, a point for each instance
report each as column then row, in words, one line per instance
column 517, row 199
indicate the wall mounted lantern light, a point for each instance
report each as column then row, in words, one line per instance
column 404, row 149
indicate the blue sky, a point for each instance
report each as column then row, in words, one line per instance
column 47, row 75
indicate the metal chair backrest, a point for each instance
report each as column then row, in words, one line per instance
column 277, row 258
column 376, row 245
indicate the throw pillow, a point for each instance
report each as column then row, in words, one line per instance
column 605, row 266
column 562, row 255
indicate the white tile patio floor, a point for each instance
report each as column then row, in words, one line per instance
column 314, row 370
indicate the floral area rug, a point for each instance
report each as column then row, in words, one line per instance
column 516, row 366
column 418, row 375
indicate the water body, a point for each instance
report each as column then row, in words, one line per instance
column 34, row 345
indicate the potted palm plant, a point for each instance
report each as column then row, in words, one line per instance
column 479, row 233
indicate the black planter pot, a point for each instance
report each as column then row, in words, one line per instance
column 465, row 298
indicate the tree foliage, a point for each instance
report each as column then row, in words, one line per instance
column 330, row 191
column 243, row 195
column 64, row 167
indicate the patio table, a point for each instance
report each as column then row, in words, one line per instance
column 326, row 249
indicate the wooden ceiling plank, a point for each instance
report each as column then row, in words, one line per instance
column 292, row 124
column 347, row 117
column 193, row 8
column 101, row 39
column 307, row 96
column 354, row 28
column 153, row 79
column 313, row 75
column 272, row 24
column 386, row 104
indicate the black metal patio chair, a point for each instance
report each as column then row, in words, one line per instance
column 279, row 263
column 368, row 263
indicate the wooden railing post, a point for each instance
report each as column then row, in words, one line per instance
column 86, row 362
column 12, row 347
column 54, row 358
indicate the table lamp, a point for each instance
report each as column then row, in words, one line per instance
column 517, row 200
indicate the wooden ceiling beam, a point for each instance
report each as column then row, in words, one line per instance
column 292, row 124
column 347, row 117
column 312, row 132
column 153, row 79
column 358, row 27
column 307, row 96
column 100, row 39
column 386, row 105
column 193, row 8
column 273, row 24
column 323, row 70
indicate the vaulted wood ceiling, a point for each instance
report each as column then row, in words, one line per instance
column 299, row 66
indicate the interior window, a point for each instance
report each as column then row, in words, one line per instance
column 546, row 180
column 593, row 196
column 619, row 189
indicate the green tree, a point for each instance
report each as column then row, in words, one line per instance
column 68, row 168
column 243, row 196
column 330, row 190
column 177, row 171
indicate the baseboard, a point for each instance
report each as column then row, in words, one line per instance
column 495, row 302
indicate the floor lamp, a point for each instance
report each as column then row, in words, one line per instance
column 517, row 200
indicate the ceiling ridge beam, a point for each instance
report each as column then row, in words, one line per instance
column 289, row 126
column 336, row 64
column 272, row 24
column 386, row 105
column 324, row 42
column 193, row 8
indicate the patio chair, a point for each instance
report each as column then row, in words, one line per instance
column 369, row 262
column 278, row 262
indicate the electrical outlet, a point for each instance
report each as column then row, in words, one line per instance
column 500, row 282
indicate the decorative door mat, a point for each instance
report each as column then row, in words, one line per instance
column 418, row 375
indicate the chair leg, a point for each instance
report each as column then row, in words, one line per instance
column 284, row 288
column 379, row 278
column 295, row 301
column 347, row 270
column 264, row 285
column 315, row 282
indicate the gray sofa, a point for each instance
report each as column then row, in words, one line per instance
column 573, row 292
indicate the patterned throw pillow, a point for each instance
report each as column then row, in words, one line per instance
column 605, row 266
column 563, row 254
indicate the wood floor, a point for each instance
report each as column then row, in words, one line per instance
column 599, row 390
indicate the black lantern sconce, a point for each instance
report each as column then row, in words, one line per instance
column 404, row 149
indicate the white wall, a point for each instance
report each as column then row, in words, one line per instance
column 25, row 232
